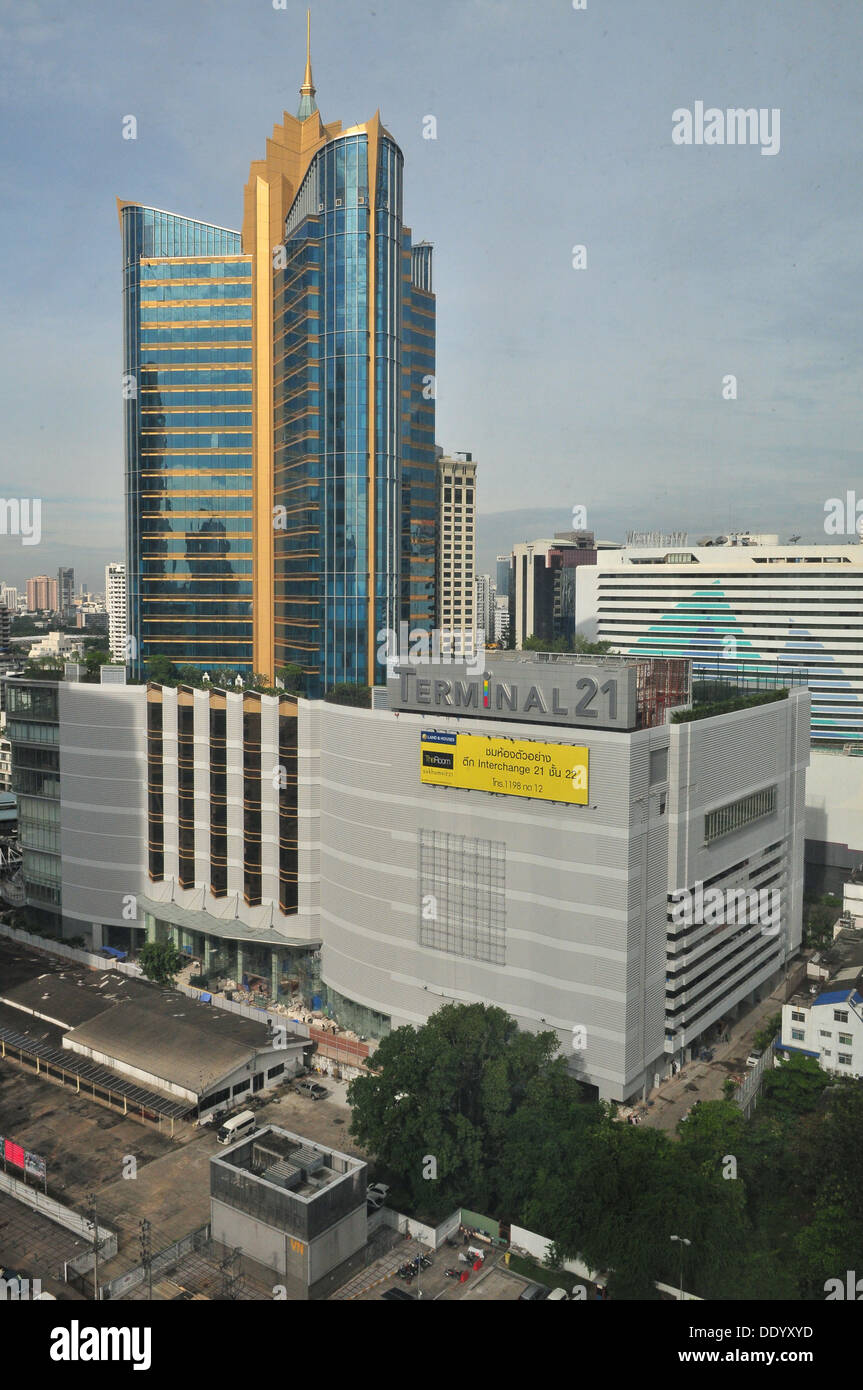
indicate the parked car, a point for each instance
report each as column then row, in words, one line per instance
column 558, row 1296
column 533, row 1293
column 377, row 1190
column 312, row 1089
column 754, row 1057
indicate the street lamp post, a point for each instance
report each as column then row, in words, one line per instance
column 683, row 1241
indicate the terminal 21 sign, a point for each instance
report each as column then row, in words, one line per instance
column 577, row 694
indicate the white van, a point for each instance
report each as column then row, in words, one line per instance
column 234, row 1129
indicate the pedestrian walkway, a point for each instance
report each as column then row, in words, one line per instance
column 670, row 1102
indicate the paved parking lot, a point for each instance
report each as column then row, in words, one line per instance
column 492, row 1282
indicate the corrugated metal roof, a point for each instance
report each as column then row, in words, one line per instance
column 76, row 1065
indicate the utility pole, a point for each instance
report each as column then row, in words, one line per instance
column 147, row 1255
column 91, row 1203
column 683, row 1241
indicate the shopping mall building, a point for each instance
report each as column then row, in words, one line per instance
column 518, row 837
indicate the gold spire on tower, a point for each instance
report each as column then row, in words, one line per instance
column 308, row 87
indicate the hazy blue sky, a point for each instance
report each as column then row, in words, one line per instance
column 600, row 387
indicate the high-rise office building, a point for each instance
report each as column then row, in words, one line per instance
column 187, row 331
column 280, row 414
column 456, row 552
column 503, row 571
column 484, row 601
column 42, row 594
column 9, row 598
column 542, row 586
column 65, row 591
column 501, row 620
column 115, row 605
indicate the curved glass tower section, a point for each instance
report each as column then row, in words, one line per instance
column 321, row 406
column 353, row 345
column 188, row 441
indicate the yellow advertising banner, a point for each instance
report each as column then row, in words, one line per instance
column 509, row 767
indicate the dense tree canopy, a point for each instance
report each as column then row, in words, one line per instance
column 772, row 1205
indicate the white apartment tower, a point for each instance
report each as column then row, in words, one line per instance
column 484, row 605
column 115, row 605
column 456, row 616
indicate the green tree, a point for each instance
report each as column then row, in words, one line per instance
column 160, row 961
column 437, row 1099
column 819, row 919
column 792, row 1089
column 161, row 670
column 293, row 678
column 579, row 644
column 586, row 648
column 348, row 693
column 545, row 644
column 192, row 675
column 95, row 658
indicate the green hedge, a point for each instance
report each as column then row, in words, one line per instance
column 708, row 711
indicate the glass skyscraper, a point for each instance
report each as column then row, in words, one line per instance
column 280, row 435
column 187, row 319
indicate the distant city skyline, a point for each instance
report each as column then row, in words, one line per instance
column 701, row 262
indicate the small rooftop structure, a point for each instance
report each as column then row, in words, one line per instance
column 839, row 969
column 292, row 1206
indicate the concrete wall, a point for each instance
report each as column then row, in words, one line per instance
column 834, row 819
column 715, row 761
column 585, row 888
column 55, row 1211
column 432, row 1236
column 103, row 813
column 297, row 1263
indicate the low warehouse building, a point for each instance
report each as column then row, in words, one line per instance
column 162, row 1039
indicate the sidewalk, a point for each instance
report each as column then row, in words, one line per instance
column 704, row 1080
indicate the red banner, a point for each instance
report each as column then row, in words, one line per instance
column 14, row 1153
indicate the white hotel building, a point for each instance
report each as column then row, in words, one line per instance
column 790, row 613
